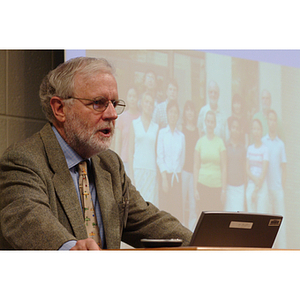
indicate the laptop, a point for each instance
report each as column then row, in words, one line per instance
column 236, row 229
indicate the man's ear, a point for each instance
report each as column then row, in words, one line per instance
column 58, row 108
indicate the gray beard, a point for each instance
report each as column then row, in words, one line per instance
column 86, row 145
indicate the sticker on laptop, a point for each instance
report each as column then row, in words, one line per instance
column 274, row 222
column 241, row 225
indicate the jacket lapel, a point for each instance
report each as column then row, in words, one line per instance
column 108, row 205
column 63, row 182
column 66, row 192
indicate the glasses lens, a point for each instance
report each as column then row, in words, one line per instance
column 119, row 106
column 100, row 104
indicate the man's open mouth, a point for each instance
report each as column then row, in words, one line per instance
column 106, row 131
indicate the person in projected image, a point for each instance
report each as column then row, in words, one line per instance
column 276, row 175
column 160, row 97
column 256, row 168
column 150, row 85
column 42, row 205
column 123, row 126
column 142, row 155
column 170, row 160
column 262, row 115
column 210, row 168
column 238, row 112
column 213, row 99
column 236, row 168
column 160, row 112
column 190, row 131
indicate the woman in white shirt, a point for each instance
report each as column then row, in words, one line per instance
column 256, row 167
column 142, row 159
column 123, row 124
column 170, row 160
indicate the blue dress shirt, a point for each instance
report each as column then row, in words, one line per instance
column 73, row 159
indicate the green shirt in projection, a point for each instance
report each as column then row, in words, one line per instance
column 210, row 156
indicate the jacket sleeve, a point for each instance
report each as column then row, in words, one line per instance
column 145, row 220
column 29, row 220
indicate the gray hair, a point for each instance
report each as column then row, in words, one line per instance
column 60, row 81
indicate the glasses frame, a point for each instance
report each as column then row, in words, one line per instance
column 119, row 105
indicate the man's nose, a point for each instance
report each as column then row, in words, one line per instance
column 110, row 112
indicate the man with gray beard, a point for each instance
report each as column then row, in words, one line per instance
column 40, row 195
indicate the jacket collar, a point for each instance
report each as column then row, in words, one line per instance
column 108, row 204
column 63, row 182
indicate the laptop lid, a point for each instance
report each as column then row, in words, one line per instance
column 236, row 229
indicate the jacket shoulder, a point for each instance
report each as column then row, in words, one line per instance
column 110, row 160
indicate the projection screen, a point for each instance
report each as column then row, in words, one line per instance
column 241, row 85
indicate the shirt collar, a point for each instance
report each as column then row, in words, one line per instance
column 169, row 129
column 72, row 157
column 268, row 137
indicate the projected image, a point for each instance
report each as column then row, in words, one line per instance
column 205, row 131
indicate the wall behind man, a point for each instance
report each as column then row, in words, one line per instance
column 21, row 73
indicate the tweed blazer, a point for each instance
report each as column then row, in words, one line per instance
column 39, row 206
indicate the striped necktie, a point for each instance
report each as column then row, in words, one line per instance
column 87, row 204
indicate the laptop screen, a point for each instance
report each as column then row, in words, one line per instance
column 236, row 229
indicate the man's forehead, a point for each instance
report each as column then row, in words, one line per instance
column 98, row 84
column 266, row 95
column 92, row 77
column 213, row 88
column 272, row 116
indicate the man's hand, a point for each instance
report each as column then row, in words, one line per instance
column 87, row 244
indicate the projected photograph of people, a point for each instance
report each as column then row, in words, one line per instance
column 205, row 131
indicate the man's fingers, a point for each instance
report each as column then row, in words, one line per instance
column 87, row 244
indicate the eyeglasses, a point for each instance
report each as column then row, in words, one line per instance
column 100, row 104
